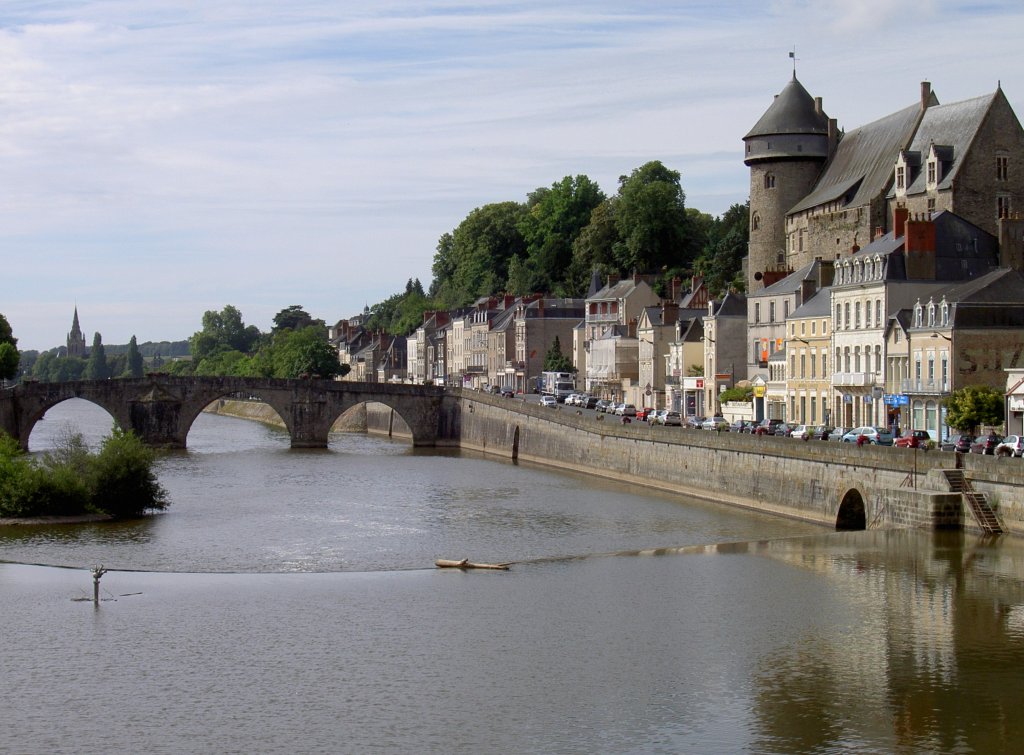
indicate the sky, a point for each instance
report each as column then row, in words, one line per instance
column 161, row 158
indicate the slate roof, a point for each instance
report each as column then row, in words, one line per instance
column 792, row 112
column 791, row 283
column 819, row 305
column 954, row 125
column 862, row 166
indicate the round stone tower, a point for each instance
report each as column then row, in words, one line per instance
column 786, row 151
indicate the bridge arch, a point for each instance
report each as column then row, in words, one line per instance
column 396, row 422
column 34, row 411
column 852, row 514
column 90, row 434
column 191, row 410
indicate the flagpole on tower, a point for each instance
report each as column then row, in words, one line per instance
column 792, row 56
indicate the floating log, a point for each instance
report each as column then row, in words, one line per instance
column 447, row 563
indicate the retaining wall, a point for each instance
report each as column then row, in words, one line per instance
column 808, row 480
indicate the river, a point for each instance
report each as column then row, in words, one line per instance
column 286, row 602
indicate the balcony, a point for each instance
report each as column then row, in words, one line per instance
column 935, row 387
column 853, row 379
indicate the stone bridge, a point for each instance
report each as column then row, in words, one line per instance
column 160, row 409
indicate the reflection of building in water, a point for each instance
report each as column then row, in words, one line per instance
column 924, row 628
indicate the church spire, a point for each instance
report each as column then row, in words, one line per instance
column 76, row 341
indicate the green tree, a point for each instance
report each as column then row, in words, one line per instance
column 304, row 353
column 555, row 360
column 554, row 218
column 972, row 406
column 133, row 361
column 122, row 479
column 475, row 261
column 721, row 260
column 593, row 249
column 8, row 351
column 96, row 367
column 223, row 331
column 294, row 318
column 652, row 222
column 8, row 361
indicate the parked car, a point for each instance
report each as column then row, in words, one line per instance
column 713, row 423
column 767, row 427
column 837, row 433
column 1012, row 445
column 914, row 439
column 821, row 432
column 507, row 393
column 625, row 410
column 642, row 412
column 740, row 426
column 548, row 401
column 959, row 443
column 801, row 432
column 784, row 429
column 694, row 421
column 670, row 418
column 591, row 402
column 876, row 436
column 601, row 404
column 986, row 444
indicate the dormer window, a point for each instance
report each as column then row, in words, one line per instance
column 1002, row 168
column 918, row 315
column 933, row 170
column 901, row 177
column 931, row 314
column 945, row 313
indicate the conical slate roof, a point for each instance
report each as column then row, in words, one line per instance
column 792, row 112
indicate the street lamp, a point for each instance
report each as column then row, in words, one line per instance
column 940, row 335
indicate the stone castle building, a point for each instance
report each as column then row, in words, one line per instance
column 817, row 192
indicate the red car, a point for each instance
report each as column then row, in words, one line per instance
column 913, row 439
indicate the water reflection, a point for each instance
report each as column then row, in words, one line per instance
column 929, row 652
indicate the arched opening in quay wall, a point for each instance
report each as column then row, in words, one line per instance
column 851, row 514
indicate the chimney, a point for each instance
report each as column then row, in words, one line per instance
column 899, row 220
column 817, row 105
column 613, row 278
column 677, row 284
column 919, row 248
column 926, row 94
column 669, row 312
column 833, row 136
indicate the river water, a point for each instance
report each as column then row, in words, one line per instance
column 287, row 602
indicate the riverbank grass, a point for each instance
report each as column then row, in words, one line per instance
column 117, row 481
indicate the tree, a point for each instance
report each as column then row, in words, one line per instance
column 973, row 406
column 294, row 318
column 721, row 260
column 593, row 249
column 555, row 360
column 223, row 331
column 134, row 361
column 652, row 222
column 304, row 353
column 474, row 261
column 554, row 219
column 8, row 350
column 96, row 367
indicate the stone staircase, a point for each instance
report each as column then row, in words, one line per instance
column 976, row 501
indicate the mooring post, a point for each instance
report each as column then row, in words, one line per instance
column 97, row 572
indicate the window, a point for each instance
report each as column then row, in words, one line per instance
column 757, row 312
column 755, row 222
column 900, row 177
column 878, row 313
column 814, row 365
column 814, row 409
column 918, row 315
column 932, row 172
column 878, row 359
column 846, row 316
column 931, row 205
column 945, row 371
column 785, row 309
column 867, row 314
column 931, row 367
column 931, row 314
column 856, row 358
column 1002, row 207
column 945, row 314
column 769, row 180
column 856, row 314
column 803, row 364
column 1002, row 168
column 824, row 363
column 792, row 365
column 839, row 315
column 771, row 311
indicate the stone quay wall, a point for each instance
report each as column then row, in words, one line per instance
column 806, row 480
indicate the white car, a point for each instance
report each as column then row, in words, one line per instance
column 548, row 401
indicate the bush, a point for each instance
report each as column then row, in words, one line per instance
column 69, row 480
column 121, row 477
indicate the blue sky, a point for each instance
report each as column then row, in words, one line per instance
column 159, row 159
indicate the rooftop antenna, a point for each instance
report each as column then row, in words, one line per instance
column 792, row 56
